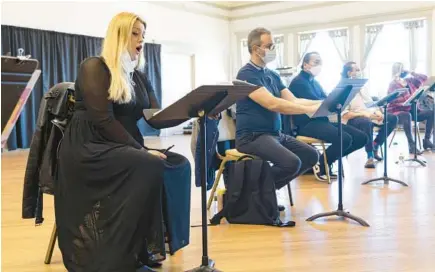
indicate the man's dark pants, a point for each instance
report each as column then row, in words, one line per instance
column 365, row 125
column 353, row 139
column 290, row 157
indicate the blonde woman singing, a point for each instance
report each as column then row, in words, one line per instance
column 108, row 197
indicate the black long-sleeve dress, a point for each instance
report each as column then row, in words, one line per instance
column 108, row 195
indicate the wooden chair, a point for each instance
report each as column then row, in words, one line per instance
column 314, row 142
column 232, row 155
column 51, row 245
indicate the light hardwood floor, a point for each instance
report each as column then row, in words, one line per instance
column 401, row 237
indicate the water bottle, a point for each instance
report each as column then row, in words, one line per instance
column 401, row 158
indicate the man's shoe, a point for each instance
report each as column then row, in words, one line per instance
column 370, row 163
column 318, row 174
column 377, row 156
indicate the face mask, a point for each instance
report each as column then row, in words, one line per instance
column 403, row 74
column 269, row 56
column 127, row 64
column 357, row 75
column 315, row 71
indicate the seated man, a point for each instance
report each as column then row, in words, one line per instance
column 258, row 116
column 363, row 118
column 305, row 86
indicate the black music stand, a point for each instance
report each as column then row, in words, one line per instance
column 333, row 104
column 412, row 101
column 201, row 102
column 430, row 83
column 19, row 76
column 384, row 104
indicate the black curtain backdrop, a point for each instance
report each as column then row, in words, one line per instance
column 59, row 56
column 153, row 71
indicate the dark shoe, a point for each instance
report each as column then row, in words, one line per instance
column 427, row 144
column 281, row 208
column 377, row 156
column 370, row 163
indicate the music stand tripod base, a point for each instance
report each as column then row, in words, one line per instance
column 386, row 181
column 205, row 268
column 340, row 213
column 422, row 163
column 385, row 177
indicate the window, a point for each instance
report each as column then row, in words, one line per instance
column 421, row 47
column 393, row 45
column 279, row 46
column 244, row 53
column 332, row 63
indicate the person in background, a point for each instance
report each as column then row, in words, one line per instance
column 305, row 86
column 365, row 119
column 402, row 78
column 258, row 126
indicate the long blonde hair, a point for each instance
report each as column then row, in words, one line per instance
column 396, row 69
column 116, row 42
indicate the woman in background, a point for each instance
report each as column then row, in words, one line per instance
column 108, row 197
column 411, row 81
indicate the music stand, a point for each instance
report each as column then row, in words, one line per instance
column 18, row 77
column 202, row 102
column 384, row 104
column 412, row 101
column 333, row 104
column 430, row 83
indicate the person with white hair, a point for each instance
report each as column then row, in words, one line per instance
column 402, row 78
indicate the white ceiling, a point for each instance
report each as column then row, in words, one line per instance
column 230, row 5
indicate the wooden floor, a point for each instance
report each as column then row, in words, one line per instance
column 401, row 237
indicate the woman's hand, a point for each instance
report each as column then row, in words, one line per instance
column 158, row 154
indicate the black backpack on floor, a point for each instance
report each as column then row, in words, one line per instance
column 250, row 197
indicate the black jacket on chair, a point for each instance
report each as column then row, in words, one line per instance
column 55, row 110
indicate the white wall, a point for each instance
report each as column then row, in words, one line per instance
column 177, row 30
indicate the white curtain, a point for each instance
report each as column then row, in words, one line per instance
column 372, row 33
column 341, row 42
column 244, row 53
column 305, row 41
column 413, row 27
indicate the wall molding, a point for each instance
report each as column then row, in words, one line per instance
column 348, row 22
column 219, row 12
column 291, row 9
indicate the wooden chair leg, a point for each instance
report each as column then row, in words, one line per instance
column 325, row 161
column 392, row 138
column 419, row 137
column 51, row 245
column 216, row 183
column 289, row 188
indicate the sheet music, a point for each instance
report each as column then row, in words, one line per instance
column 381, row 102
